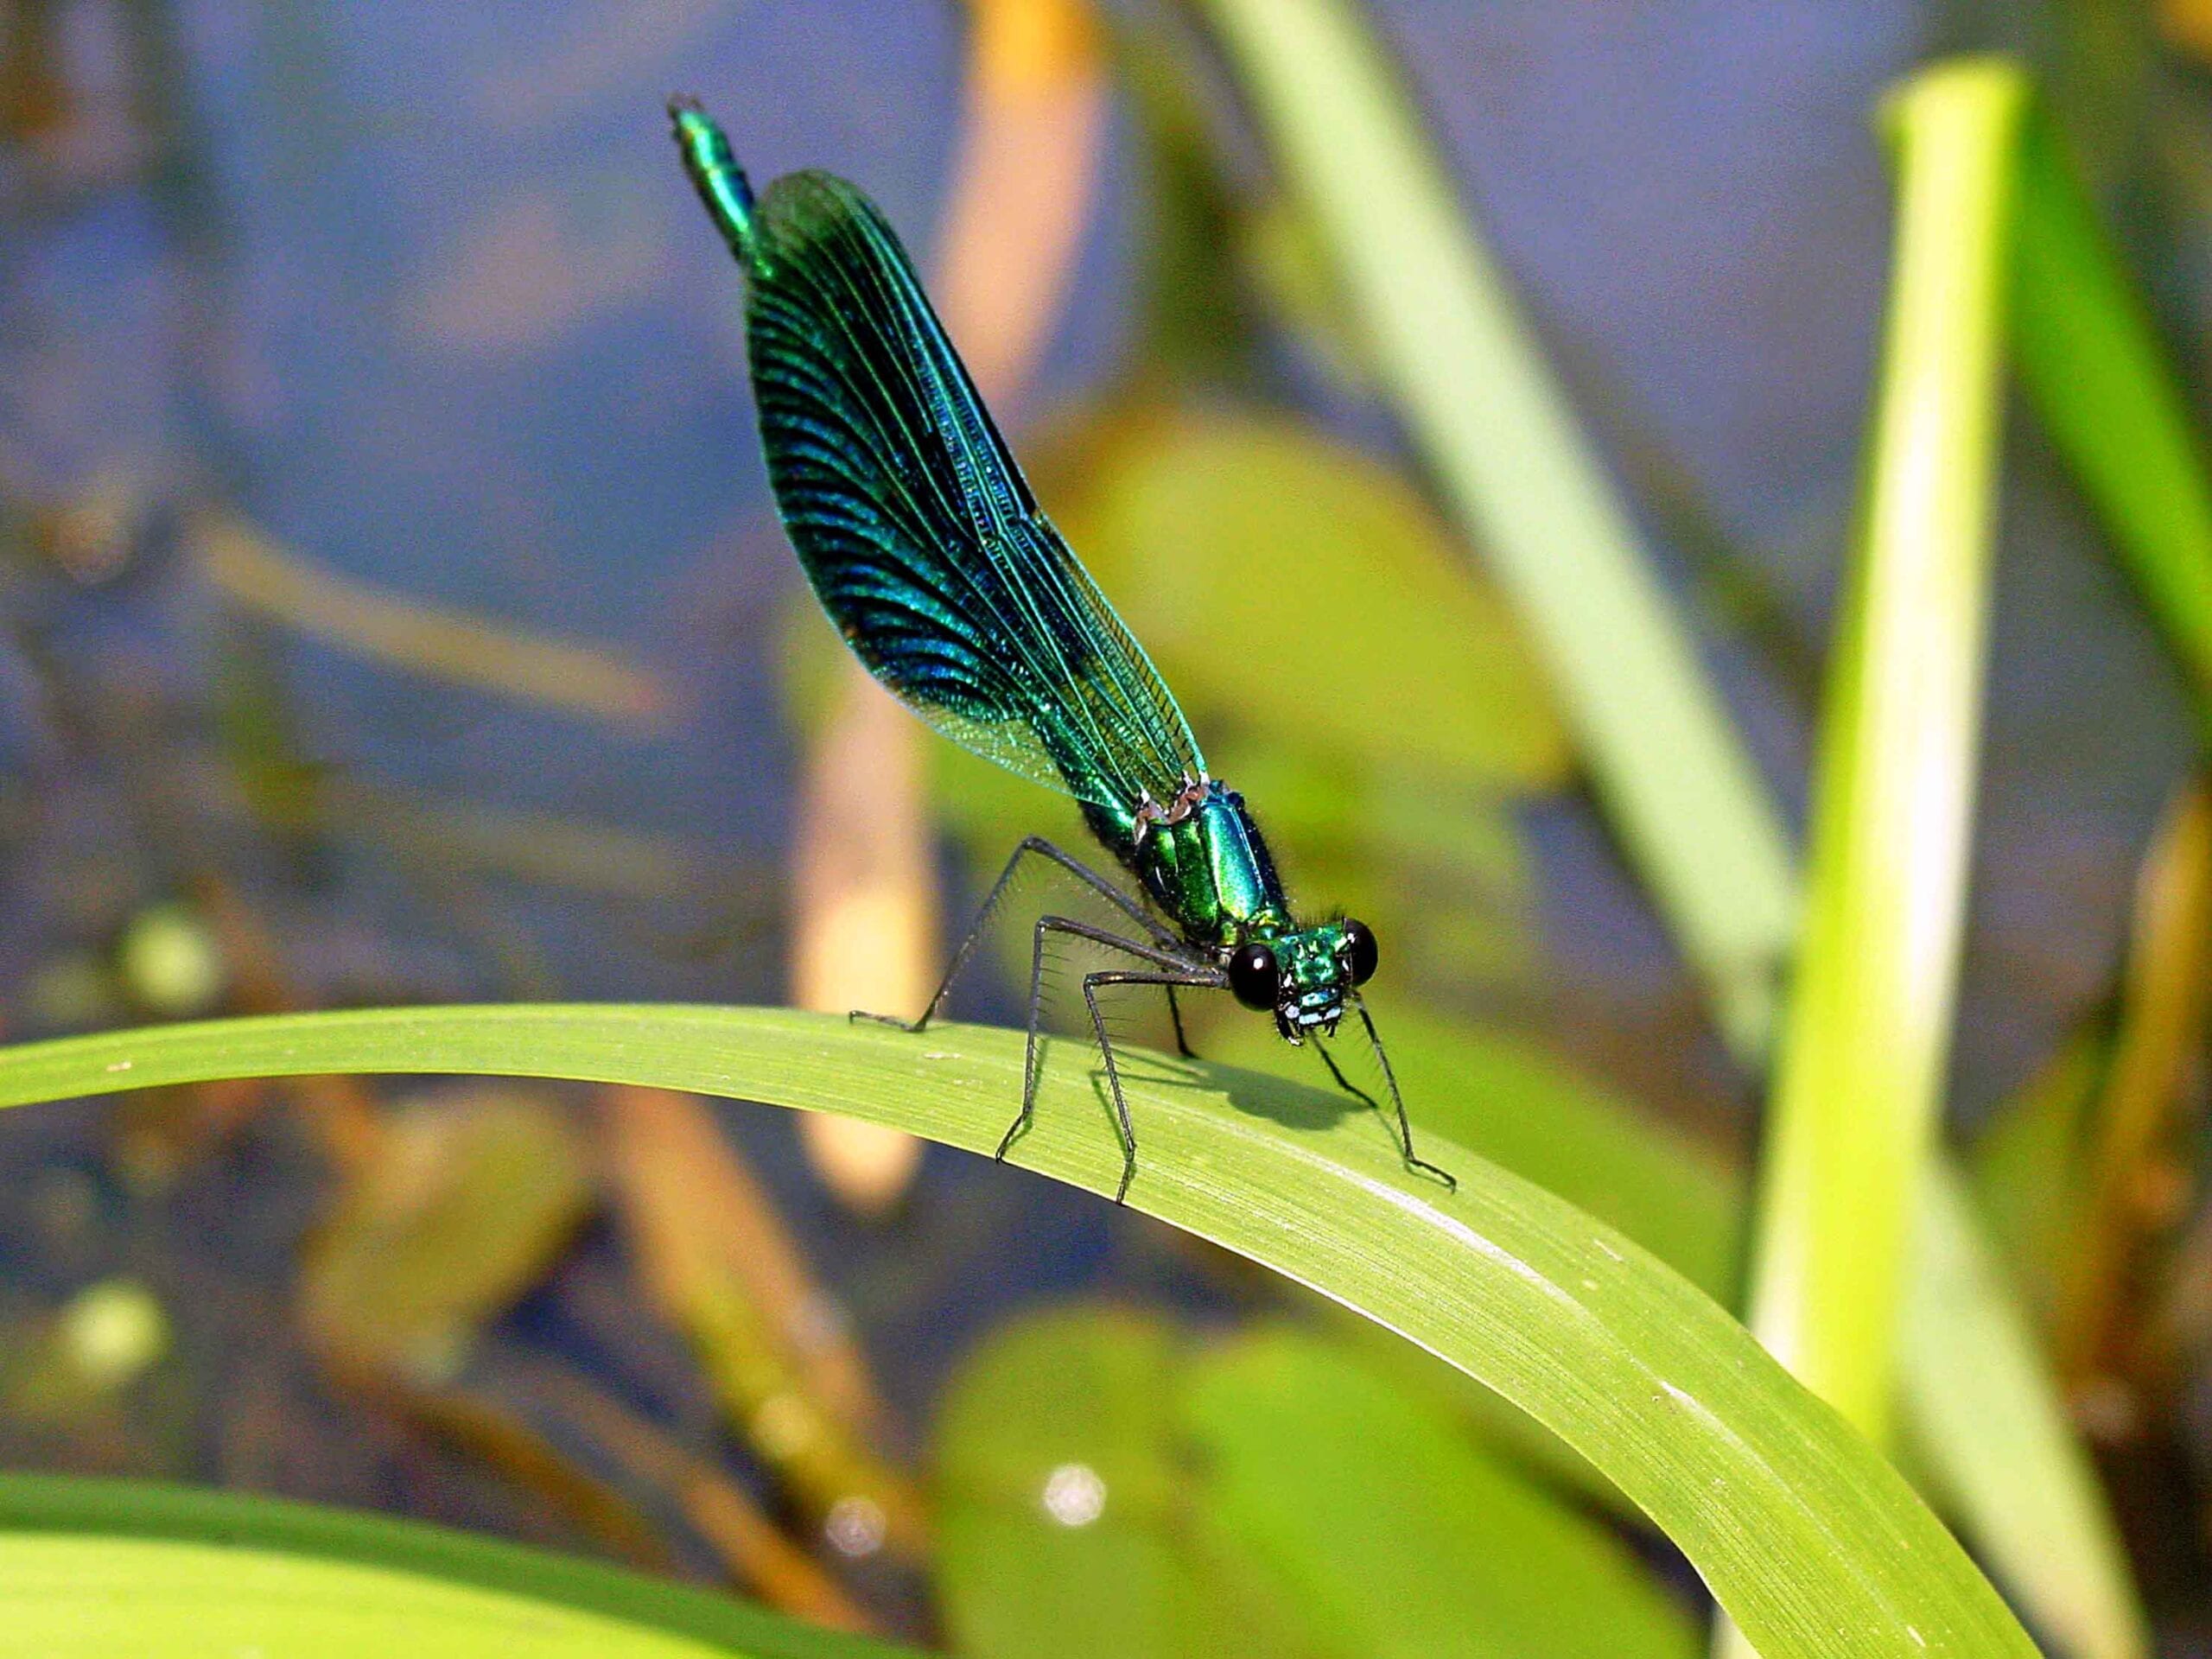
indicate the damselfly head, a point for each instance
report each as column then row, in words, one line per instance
column 1303, row 974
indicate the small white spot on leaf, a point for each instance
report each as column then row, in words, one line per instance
column 1074, row 1495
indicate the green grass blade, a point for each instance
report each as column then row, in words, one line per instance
column 1803, row 1532
column 1459, row 362
column 83, row 1597
column 96, row 1568
column 1863, row 1063
column 2103, row 387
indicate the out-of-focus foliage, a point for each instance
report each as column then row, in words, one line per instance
column 1449, row 341
column 2102, row 386
column 465, row 1201
column 1105, row 1485
column 1366, row 639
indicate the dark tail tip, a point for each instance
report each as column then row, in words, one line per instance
column 682, row 104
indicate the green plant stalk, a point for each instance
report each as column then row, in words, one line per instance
column 1805, row 1535
column 1450, row 345
column 1860, row 1079
column 2102, row 385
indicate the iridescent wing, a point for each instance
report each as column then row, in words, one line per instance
column 915, row 525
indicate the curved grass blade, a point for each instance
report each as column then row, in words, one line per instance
column 1806, row 1536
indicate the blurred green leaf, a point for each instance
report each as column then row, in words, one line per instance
column 2103, row 387
column 1065, row 1520
column 1799, row 1527
column 1300, row 589
column 1392, row 1530
column 466, row 1203
column 1106, row 1491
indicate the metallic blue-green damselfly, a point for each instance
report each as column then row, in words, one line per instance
column 928, row 551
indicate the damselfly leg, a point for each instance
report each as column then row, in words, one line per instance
column 988, row 911
column 1397, row 1102
column 1172, row 967
column 1091, row 985
column 1174, row 964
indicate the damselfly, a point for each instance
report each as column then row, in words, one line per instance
column 924, row 545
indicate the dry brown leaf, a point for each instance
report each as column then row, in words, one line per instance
column 776, row 1350
column 2139, row 1187
column 256, row 574
column 758, row 1553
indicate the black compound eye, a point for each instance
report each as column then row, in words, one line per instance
column 1360, row 953
column 1253, row 976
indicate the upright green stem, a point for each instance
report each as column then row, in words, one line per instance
column 1858, row 1085
column 1867, row 1039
